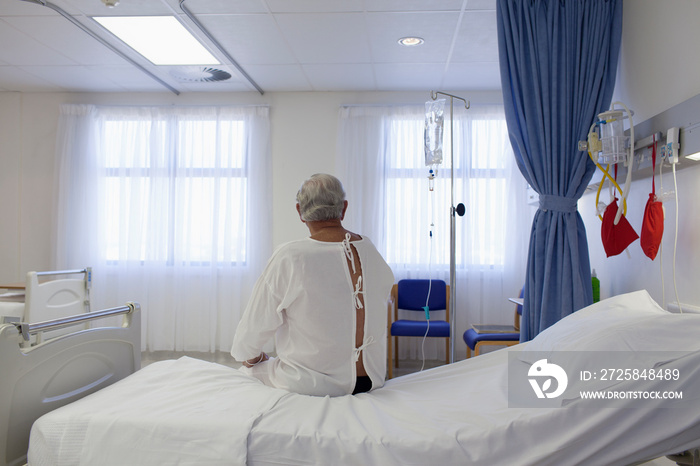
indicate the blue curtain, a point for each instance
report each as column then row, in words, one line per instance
column 558, row 61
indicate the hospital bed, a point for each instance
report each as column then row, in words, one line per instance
column 188, row 411
column 40, row 377
column 48, row 295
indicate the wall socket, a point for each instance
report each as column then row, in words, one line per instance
column 687, row 308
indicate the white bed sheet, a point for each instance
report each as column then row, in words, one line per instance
column 459, row 414
column 185, row 412
column 193, row 412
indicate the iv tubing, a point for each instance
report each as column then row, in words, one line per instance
column 675, row 241
column 430, row 281
column 661, row 244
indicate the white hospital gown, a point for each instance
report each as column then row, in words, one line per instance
column 306, row 299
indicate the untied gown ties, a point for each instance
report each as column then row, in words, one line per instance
column 356, row 293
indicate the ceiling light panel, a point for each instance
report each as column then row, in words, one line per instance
column 163, row 40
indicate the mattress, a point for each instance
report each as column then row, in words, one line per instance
column 185, row 412
column 194, row 412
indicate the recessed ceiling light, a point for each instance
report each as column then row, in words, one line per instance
column 163, row 40
column 411, row 41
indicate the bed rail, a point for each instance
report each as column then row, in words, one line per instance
column 86, row 270
column 27, row 330
column 43, row 376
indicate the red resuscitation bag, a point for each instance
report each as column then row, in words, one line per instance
column 616, row 238
column 653, row 221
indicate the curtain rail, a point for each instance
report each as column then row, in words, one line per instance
column 102, row 41
column 216, row 43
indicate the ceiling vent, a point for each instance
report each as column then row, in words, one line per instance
column 199, row 74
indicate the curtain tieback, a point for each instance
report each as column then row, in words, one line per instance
column 558, row 203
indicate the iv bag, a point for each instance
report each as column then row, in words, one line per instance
column 434, row 124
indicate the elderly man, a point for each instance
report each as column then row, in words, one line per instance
column 324, row 300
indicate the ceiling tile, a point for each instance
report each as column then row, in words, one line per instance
column 284, row 45
column 415, row 5
column 249, row 39
column 125, row 7
column 402, row 77
column 338, row 77
column 223, row 86
column 385, row 29
column 481, row 5
column 217, row 7
column 315, row 6
column 326, row 38
column 130, row 77
column 25, row 50
column 472, row 76
column 279, row 77
column 22, row 8
column 76, row 78
column 62, row 37
column 476, row 40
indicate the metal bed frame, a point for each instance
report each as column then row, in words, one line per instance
column 47, row 375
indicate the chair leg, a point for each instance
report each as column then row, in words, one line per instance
column 469, row 352
column 396, row 352
column 389, row 357
column 447, row 350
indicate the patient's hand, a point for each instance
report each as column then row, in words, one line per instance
column 251, row 362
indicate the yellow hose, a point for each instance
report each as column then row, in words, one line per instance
column 602, row 182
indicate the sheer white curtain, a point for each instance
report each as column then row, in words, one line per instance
column 381, row 160
column 170, row 206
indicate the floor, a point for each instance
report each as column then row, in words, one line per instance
column 405, row 367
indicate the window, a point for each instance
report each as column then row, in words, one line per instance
column 170, row 207
column 418, row 219
column 183, row 179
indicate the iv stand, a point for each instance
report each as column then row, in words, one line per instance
column 459, row 210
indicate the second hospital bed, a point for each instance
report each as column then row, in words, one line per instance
column 187, row 411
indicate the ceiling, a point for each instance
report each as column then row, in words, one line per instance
column 282, row 45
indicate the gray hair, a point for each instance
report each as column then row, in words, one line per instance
column 321, row 197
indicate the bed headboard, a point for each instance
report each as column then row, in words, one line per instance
column 58, row 371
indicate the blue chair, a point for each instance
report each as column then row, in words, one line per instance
column 411, row 295
column 476, row 340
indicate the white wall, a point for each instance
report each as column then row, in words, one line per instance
column 659, row 68
column 304, row 130
column 10, row 157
